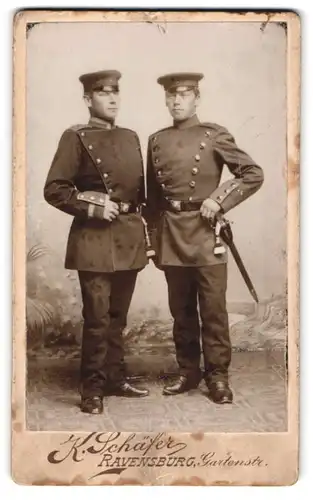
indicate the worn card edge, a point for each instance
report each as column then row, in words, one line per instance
column 21, row 19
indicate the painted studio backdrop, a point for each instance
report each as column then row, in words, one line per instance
column 244, row 89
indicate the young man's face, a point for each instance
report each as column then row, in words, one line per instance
column 104, row 103
column 181, row 102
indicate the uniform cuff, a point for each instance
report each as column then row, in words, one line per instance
column 93, row 197
column 223, row 195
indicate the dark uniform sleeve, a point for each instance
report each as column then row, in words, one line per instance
column 154, row 193
column 151, row 212
column 142, row 187
column 248, row 176
column 60, row 190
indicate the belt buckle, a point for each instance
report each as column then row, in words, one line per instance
column 124, row 207
column 176, row 205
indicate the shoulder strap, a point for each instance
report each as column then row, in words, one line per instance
column 211, row 126
column 125, row 128
column 159, row 131
column 77, row 128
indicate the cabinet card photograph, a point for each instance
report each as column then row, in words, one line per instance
column 156, row 193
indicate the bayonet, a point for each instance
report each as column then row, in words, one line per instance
column 227, row 235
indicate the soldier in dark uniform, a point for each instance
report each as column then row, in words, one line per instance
column 185, row 163
column 97, row 177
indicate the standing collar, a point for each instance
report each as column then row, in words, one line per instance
column 98, row 122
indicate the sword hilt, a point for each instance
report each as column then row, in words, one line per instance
column 219, row 248
column 150, row 252
column 225, row 229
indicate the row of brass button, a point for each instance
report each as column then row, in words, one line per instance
column 98, row 161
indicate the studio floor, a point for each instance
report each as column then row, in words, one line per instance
column 258, row 381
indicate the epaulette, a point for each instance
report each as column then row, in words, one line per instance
column 128, row 130
column 125, row 128
column 77, row 128
column 212, row 126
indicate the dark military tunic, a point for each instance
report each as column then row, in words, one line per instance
column 185, row 163
column 91, row 161
column 94, row 158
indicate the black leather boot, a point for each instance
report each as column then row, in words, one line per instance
column 126, row 390
column 92, row 404
column 220, row 392
column 183, row 384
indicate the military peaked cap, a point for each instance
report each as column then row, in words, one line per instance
column 95, row 81
column 174, row 80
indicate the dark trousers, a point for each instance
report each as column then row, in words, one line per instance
column 106, row 300
column 207, row 285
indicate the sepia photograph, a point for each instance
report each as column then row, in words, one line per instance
column 156, row 247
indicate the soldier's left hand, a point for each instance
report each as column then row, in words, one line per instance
column 209, row 208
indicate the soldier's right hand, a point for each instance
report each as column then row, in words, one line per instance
column 107, row 212
column 110, row 210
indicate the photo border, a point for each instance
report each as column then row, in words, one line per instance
column 277, row 451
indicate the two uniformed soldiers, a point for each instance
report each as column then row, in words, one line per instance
column 184, row 168
column 97, row 177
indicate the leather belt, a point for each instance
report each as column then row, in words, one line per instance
column 181, row 206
